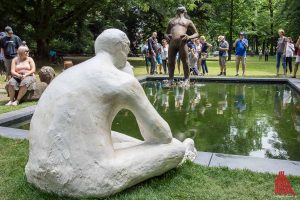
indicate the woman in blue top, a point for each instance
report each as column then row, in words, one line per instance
column 204, row 54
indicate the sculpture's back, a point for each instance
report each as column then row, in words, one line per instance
column 72, row 149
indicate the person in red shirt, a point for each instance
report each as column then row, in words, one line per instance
column 297, row 57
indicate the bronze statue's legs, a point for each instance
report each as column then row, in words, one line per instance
column 183, row 53
column 172, row 59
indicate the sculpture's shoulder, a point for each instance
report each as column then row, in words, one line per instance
column 172, row 21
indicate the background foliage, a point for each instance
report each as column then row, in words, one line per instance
column 71, row 26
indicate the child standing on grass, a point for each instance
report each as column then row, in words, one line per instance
column 289, row 54
column 193, row 59
column 297, row 57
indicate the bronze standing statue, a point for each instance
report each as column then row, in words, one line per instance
column 177, row 31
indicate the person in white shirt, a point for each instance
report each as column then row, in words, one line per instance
column 164, row 55
column 198, row 51
column 289, row 54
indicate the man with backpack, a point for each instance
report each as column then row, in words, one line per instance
column 2, row 67
column 9, row 45
column 152, row 47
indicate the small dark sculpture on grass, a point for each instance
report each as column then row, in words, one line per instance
column 177, row 33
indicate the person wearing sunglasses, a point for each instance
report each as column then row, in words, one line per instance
column 23, row 79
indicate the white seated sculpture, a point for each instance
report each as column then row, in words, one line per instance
column 73, row 150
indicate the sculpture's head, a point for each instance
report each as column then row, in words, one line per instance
column 116, row 43
column 181, row 9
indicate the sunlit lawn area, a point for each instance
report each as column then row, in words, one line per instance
column 190, row 181
column 255, row 68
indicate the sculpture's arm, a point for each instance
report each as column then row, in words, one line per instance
column 153, row 127
column 193, row 30
column 168, row 32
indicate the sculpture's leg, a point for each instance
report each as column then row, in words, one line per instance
column 146, row 161
column 172, row 59
column 183, row 52
column 123, row 141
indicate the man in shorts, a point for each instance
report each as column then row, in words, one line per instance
column 223, row 54
column 9, row 45
column 241, row 45
column 297, row 57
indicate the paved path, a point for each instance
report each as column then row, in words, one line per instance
column 247, row 162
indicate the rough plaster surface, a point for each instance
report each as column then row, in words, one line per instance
column 73, row 151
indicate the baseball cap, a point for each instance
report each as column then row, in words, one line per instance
column 8, row 29
column 242, row 33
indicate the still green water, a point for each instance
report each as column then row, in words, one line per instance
column 260, row 120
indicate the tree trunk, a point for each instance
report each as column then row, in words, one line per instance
column 230, row 29
column 271, row 9
column 256, row 44
column 42, row 49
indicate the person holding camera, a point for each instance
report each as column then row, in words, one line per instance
column 22, row 71
column 241, row 45
column 297, row 57
column 223, row 54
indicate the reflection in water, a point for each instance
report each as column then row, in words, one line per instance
column 240, row 103
column 179, row 96
column 245, row 119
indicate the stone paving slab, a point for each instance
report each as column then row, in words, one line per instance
column 16, row 116
column 295, row 83
column 13, row 133
column 255, row 164
column 203, row 158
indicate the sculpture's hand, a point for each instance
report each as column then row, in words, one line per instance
column 185, row 37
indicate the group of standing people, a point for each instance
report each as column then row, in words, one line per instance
column 19, row 67
column 285, row 51
column 156, row 55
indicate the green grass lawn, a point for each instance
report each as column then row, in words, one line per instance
column 254, row 68
column 190, row 181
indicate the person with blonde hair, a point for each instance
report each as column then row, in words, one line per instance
column 204, row 54
column 223, row 54
column 280, row 51
column 22, row 70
